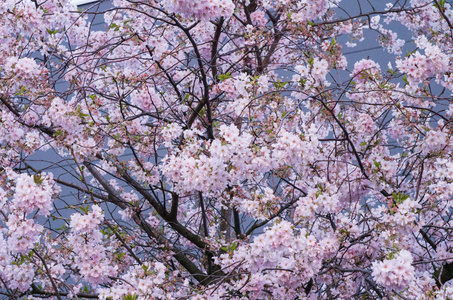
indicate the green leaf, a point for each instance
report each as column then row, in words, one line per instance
column 226, row 76
column 130, row 297
column 38, row 179
column 114, row 26
column 230, row 249
column 62, row 228
column 22, row 91
column 85, row 209
column 58, row 132
column 405, row 79
column 52, row 32
column 376, row 164
column 279, row 84
column 409, row 53
column 81, row 115
column 302, row 82
column 233, row 246
column 399, row 197
column 441, row 5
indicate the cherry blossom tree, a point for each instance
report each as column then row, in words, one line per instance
column 225, row 149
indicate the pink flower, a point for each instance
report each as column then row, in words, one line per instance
column 396, row 273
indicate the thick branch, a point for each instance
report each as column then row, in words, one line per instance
column 181, row 229
column 151, row 232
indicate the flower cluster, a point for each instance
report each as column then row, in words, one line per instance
column 24, row 233
column 291, row 148
column 419, row 67
column 312, row 75
column 22, row 67
column 202, row 10
column 11, row 132
column 87, row 222
column 403, row 215
column 18, row 277
column 171, row 132
column 146, row 282
column 35, row 192
column 396, row 272
column 146, row 99
column 210, row 172
column 387, row 38
column 279, row 258
column 90, row 255
column 303, row 10
column 62, row 116
column 436, row 140
column 364, row 70
column 260, row 205
column 317, row 201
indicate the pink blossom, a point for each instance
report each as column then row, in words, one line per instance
column 396, row 273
